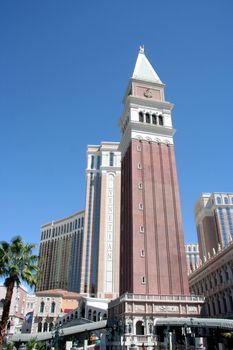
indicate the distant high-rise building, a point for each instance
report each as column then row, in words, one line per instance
column 61, row 249
column 192, row 256
column 214, row 221
column 101, row 243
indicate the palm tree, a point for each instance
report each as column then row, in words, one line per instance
column 17, row 264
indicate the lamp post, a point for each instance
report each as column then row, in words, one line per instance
column 57, row 332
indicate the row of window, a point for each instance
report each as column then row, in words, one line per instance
column 220, row 305
column 213, row 281
column 98, row 161
column 66, row 228
column 151, row 119
column 225, row 200
column 52, row 308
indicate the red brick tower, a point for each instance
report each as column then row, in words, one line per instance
column 152, row 246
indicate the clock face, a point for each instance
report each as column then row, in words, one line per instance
column 148, row 93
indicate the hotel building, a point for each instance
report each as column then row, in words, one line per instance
column 61, row 249
column 214, row 222
column 192, row 256
column 214, row 280
column 101, row 244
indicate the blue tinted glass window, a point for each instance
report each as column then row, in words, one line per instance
column 218, row 200
column 111, row 159
column 224, row 234
column 98, row 162
column 92, row 162
column 225, row 200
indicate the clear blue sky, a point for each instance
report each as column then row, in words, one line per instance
column 64, row 67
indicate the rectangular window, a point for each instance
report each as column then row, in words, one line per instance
column 142, row 253
column 98, row 162
column 92, row 162
column 111, row 159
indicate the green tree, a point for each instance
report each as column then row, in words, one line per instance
column 17, row 264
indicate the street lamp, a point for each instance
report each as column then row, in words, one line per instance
column 57, row 332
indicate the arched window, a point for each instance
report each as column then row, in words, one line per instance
column 53, row 307
column 94, row 316
column 141, row 117
column 141, row 229
column 160, row 120
column 39, row 327
column 140, row 206
column 89, row 314
column 76, row 314
column 76, row 223
column 148, row 118
column 232, row 200
column 226, row 200
column 143, row 280
column 42, row 306
column 154, row 119
column 99, row 316
column 104, row 316
column 139, row 328
column 219, row 306
column 219, row 200
column 45, row 327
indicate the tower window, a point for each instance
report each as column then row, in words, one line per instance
column 143, row 280
column 139, row 166
column 141, row 117
column 148, row 118
column 140, row 206
column 141, row 228
column 111, row 158
column 142, row 253
column 140, row 186
column 160, row 120
column 139, row 148
column 154, row 119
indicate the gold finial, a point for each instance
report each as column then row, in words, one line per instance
column 141, row 49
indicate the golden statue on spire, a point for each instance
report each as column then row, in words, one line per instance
column 141, row 49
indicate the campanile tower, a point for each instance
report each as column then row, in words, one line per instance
column 152, row 245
